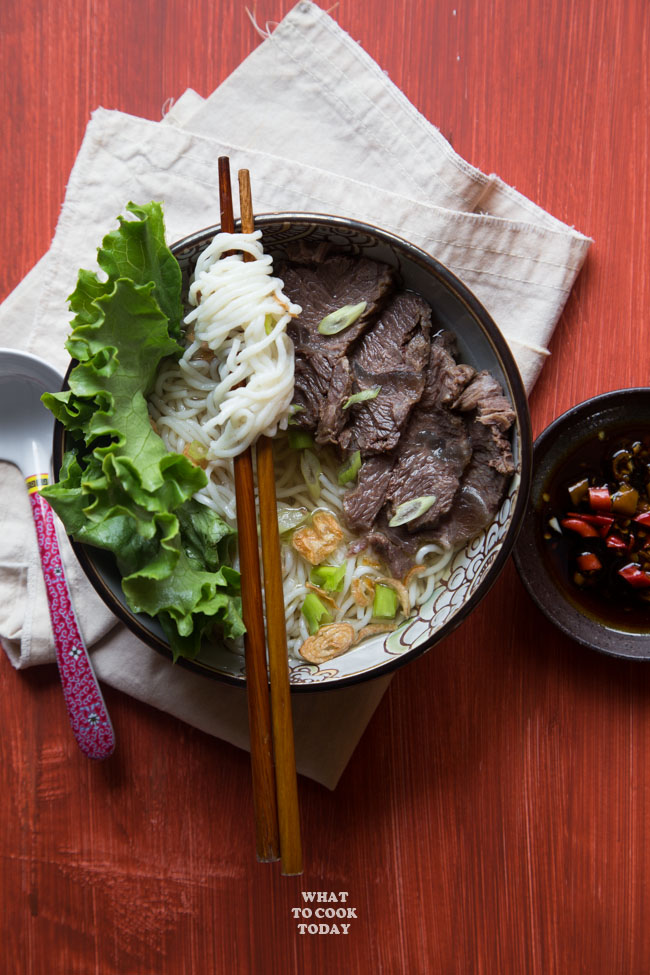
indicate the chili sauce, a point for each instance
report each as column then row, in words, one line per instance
column 594, row 521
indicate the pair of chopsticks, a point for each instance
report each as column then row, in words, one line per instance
column 273, row 763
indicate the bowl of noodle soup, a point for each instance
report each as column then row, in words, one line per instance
column 448, row 583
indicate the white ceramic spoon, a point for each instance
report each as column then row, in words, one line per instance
column 26, row 441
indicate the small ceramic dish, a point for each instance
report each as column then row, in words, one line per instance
column 473, row 569
column 604, row 417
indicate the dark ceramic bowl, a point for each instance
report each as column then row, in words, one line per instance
column 474, row 569
column 612, row 413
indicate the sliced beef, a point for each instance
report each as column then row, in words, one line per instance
column 458, row 453
column 435, row 449
column 394, row 546
column 399, row 340
column 483, row 485
column 321, row 290
column 446, row 378
column 362, row 504
column 484, row 394
column 433, row 454
column 330, row 285
column 332, row 415
column 481, row 491
column 393, row 356
column 436, row 427
column 376, row 425
column 312, row 378
column 475, row 503
column 303, row 251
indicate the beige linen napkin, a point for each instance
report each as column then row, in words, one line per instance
column 322, row 129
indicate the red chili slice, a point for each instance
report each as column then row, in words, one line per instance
column 589, row 562
column 615, row 541
column 635, row 576
column 579, row 526
column 605, row 521
column 643, row 518
column 600, row 499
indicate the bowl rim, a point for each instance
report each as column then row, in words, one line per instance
column 591, row 628
column 518, row 398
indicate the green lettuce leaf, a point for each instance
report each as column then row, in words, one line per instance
column 119, row 488
column 138, row 252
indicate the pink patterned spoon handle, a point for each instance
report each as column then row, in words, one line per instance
column 89, row 718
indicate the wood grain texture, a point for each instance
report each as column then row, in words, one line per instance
column 493, row 818
column 284, row 755
column 282, row 718
column 267, row 844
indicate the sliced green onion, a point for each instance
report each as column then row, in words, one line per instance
column 410, row 510
column 310, row 467
column 362, row 397
column 328, row 577
column 290, row 518
column 299, row 439
column 385, row 603
column 293, row 409
column 269, row 324
column 342, row 318
column 315, row 612
column 350, row 469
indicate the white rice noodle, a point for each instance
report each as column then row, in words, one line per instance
column 236, row 374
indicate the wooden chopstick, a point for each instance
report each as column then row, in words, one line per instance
column 259, row 710
column 282, row 720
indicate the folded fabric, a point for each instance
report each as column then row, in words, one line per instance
column 321, row 129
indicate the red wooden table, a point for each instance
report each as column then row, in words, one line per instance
column 493, row 818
